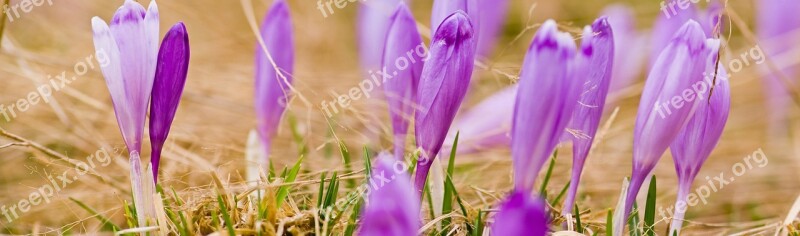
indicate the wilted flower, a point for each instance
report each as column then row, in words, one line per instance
column 273, row 71
column 443, row 84
column 391, row 209
column 694, row 143
column 778, row 23
column 401, row 89
column 521, row 214
column 550, row 70
column 629, row 45
column 173, row 65
column 659, row 119
column 598, row 47
column 485, row 125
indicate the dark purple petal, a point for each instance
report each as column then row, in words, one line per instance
column 443, row 84
column 663, row 111
column 550, row 70
column 403, row 44
column 598, row 46
column 444, row 8
column 272, row 89
column 521, row 215
column 171, row 70
column 391, row 208
column 694, row 143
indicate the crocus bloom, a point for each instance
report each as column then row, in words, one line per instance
column 443, row 8
column 680, row 66
column 598, row 46
column 671, row 18
column 401, row 89
column 778, row 23
column 549, row 70
column 443, row 84
column 131, row 44
column 373, row 23
column 391, row 208
column 628, row 46
column 485, row 125
column 173, row 64
column 272, row 87
column 694, row 143
column 521, row 214
column 492, row 14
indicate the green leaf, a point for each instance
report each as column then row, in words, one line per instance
column 283, row 191
column 633, row 221
column 447, row 203
column 351, row 183
column 321, row 189
column 561, row 194
column 549, row 173
column 578, row 225
column 298, row 138
column 367, row 162
column 107, row 224
column 610, row 223
column 650, row 209
column 225, row 216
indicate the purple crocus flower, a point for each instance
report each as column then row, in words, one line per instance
column 478, row 130
column 173, row 65
column 663, row 109
column 521, row 214
column 694, row 143
column 391, row 208
column 444, row 8
column 131, row 44
column 443, row 84
column 598, row 46
column 777, row 25
column 671, row 18
column 272, row 87
column 628, row 46
column 401, row 89
column 549, row 70
column 492, row 15
column 374, row 18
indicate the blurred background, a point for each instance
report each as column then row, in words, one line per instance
column 216, row 113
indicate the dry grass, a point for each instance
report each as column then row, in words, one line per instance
column 209, row 134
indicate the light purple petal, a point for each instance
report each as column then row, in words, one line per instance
column 485, row 125
column 778, row 22
column 391, row 208
column 521, row 214
column 492, row 14
column 629, row 45
column 373, row 23
column 443, row 8
column 663, row 112
column 272, row 87
column 403, row 43
column 443, row 84
column 598, row 46
column 173, row 65
column 547, row 72
column 669, row 20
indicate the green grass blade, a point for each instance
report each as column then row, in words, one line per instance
column 298, row 138
column 107, row 224
column 548, row 174
column 633, row 221
column 561, row 194
column 578, row 225
column 367, row 162
column 610, row 223
column 283, row 191
column 321, row 189
column 351, row 183
column 447, row 204
column 650, row 209
column 225, row 216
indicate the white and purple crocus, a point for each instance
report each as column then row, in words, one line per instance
column 135, row 65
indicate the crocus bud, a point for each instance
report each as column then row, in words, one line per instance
column 550, row 70
column 485, row 125
column 694, row 143
column 521, row 214
column 402, row 40
column 598, row 46
column 443, row 84
column 392, row 208
column 131, row 46
column 663, row 110
column 173, row 65
column 272, row 87
column 629, row 45
column 777, row 23
column 373, row 23
column 492, row 15
column 443, row 8
column 671, row 18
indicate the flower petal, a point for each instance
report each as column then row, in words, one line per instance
column 521, row 214
column 392, row 208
